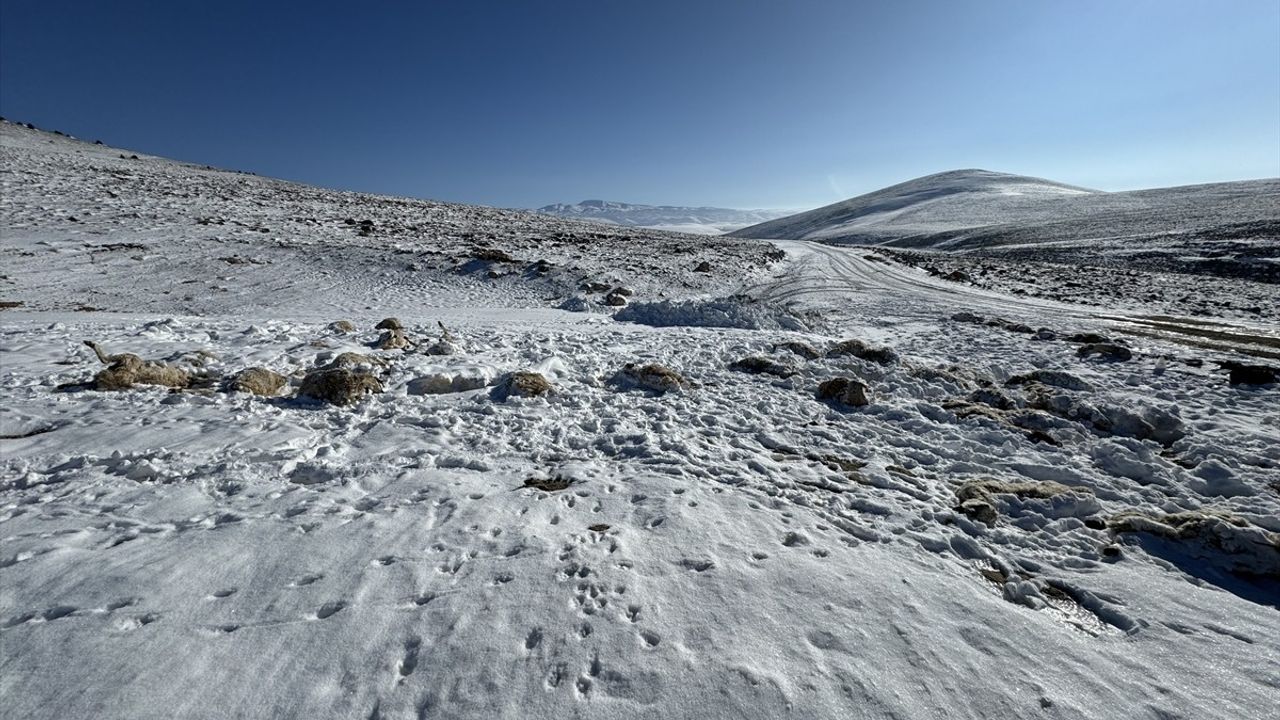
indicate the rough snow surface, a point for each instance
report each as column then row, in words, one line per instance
column 1096, row 540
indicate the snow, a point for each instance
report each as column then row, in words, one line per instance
column 735, row 549
column 1233, row 224
column 692, row 220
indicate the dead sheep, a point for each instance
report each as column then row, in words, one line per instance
column 803, row 349
column 1245, row 548
column 389, row 324
column 843, row 390
column 440, row 383
column 338, row 386
column 593, row 286
column 979, row 499
column 342, row 326
column 653, row 377
column 446, row 345
column 127, row 370
column 1106, row 351
column 442, row 347
column 522, row 383
column 392, row 339
column 342, row 381
column 984, row 489
column 1242, row 374
column 258, row 381
column 863, row 351
column 1056, row 378
column 489, row 254
column 760, row 365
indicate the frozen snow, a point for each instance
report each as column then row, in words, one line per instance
column 736, row 549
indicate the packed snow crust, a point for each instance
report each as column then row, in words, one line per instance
column 1005, row 530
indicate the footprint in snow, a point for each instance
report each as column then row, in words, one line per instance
column 330, row 609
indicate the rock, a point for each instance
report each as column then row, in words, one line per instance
column 653, row 377
column 957, row 276
column 389, row 324
column 1044, row 334
column 342, row 326
column 613, row 299
column 338, row 385
column 1251, row 374
column 703, row 267
column 522, row 383
column 623, row 291
column 762, row 365
column 846, row 391
column 594, row 287
column 1056, row 378
column 803, row 349
column 862, row 350
column 258, row 381
column 1088, row 338
column 967, row 317
column 1107, row 351
column 127, row 370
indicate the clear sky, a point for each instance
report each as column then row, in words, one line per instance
column 737, row 103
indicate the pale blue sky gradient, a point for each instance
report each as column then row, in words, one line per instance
column 728, row 102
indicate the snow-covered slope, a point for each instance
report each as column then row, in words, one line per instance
column 700, row 220
column 968, row 209
column 1006, row 529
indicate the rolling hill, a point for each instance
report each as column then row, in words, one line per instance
column 978, row 209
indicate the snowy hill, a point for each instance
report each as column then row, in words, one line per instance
column 699, row 220
column 975, row 209
column 356, row 456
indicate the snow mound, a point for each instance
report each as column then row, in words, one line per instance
column 718, row 312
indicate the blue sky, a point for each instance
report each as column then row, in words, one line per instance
column 725, row 102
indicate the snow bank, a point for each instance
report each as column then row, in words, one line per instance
column 720, row 312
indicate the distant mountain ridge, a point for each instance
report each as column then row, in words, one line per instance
column 965, row 209
column 700, row 220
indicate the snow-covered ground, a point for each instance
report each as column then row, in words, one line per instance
column 696, row 220
column 1007, row 529
column 1230, row 228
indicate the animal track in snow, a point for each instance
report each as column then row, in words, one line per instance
column 409, row 662
column 533, row 639
column 330, row 609
column 306, row 580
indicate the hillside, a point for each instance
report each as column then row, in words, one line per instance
column 700, row 220
column 977, row 210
